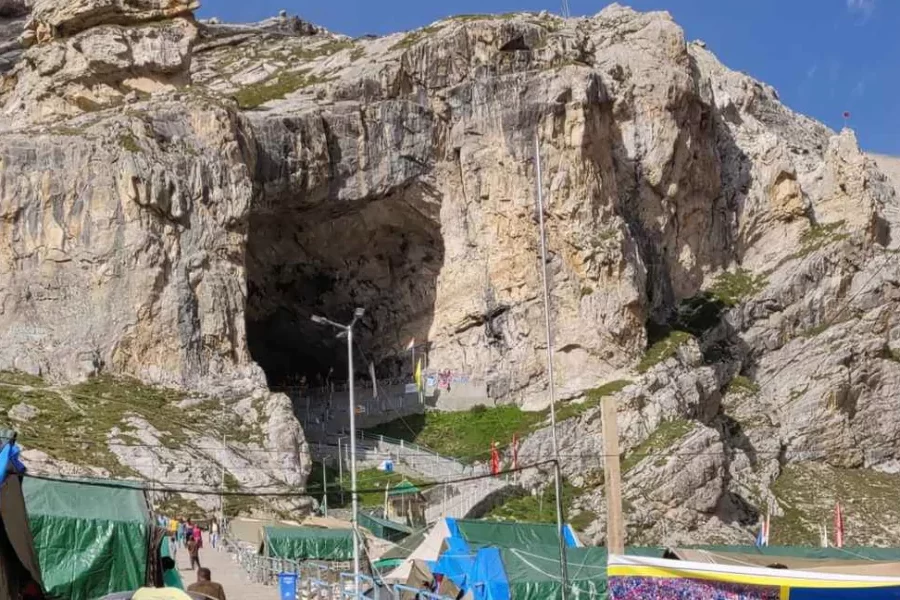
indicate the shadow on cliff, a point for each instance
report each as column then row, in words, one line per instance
column 313, row 251
column 664, row 229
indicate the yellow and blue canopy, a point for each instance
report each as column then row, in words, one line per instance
column 638, row 577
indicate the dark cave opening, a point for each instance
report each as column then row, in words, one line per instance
column 382, row 254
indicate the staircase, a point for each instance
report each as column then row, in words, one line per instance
column 455, row 500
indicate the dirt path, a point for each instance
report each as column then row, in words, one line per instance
column 227, row 572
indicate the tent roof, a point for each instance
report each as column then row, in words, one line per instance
column 83, row 499
column 759, row 560
column 807, row 552
column 308, row 543
column 306, row 533
column 428, row 549
column 406, row 546
column 507, row 533
column 404, row 488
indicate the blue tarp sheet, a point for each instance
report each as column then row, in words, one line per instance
column 455, row 562
column 488, row 576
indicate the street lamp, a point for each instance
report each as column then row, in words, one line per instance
column 347, row 330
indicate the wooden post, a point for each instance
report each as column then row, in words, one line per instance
column 612, row 475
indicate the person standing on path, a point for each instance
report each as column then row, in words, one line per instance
column 214, row 534
column 206, row 586
column 193, row 548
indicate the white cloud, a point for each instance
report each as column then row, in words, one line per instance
column 866, row 7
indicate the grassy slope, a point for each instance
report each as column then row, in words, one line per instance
column 370, row 482
column 75, row 422
column 467, row 435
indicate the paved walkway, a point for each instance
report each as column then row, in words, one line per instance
column 227, row 572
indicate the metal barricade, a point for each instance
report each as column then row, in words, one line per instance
column 397, row 594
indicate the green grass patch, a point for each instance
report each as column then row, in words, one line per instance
column 535, row 509
column 732, row 287
column 129, row 143
column 20, row 378
column 327, row 49
column 569, row 410
column 743, row 385
column 583, row 520
column 414, row 37
column 484, row 17
column 274, row 88
column 369, row 482
column 818, row 236
column 180, row 507
column 807, row 493
column 667, row 434
column 357, row 54
column 663, row 350
column 466, row 435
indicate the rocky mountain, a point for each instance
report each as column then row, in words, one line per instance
column 178, row 197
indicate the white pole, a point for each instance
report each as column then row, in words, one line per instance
column 341, row 469
column 324, row 490
column 557, row 477
column 222, row 495
column 353, row 497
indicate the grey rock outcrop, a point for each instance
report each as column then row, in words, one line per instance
column 178, row 198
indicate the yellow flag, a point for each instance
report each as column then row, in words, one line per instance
column 419, row 374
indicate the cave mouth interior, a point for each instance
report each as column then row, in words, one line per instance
column 383, row 255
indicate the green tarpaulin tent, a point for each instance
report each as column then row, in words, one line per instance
column 507, row 534
column 533, row 573
column 382, row 528
column 91, row 540
column 404, row 488
column 307, row 543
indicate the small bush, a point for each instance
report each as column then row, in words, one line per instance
column 593, row 398
column 478, row 409
column 732, row 287
column 659, row 441
column 818, row 236
column 742, row 385
column 663, row 350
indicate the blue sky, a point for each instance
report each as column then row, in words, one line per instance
column 823, row 56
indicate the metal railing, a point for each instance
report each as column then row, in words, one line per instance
column 447, row 499
column 318, row 580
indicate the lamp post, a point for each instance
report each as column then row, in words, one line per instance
column 563, row 565
column 348, row 331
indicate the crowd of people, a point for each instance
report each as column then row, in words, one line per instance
column 186, row 534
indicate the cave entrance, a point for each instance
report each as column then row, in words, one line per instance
column 381, row 254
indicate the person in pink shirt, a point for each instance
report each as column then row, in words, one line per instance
column 198, row 536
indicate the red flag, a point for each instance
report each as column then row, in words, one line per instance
column 838, row 526
column 495, row 459
column 515, row 451
column 846, row 114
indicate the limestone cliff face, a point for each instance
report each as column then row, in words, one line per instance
column 179, row 197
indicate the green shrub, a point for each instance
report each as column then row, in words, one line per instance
column 732, row 287
column 594, row 397
column 743, row 385
column 667, row 434
column 663, row 350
